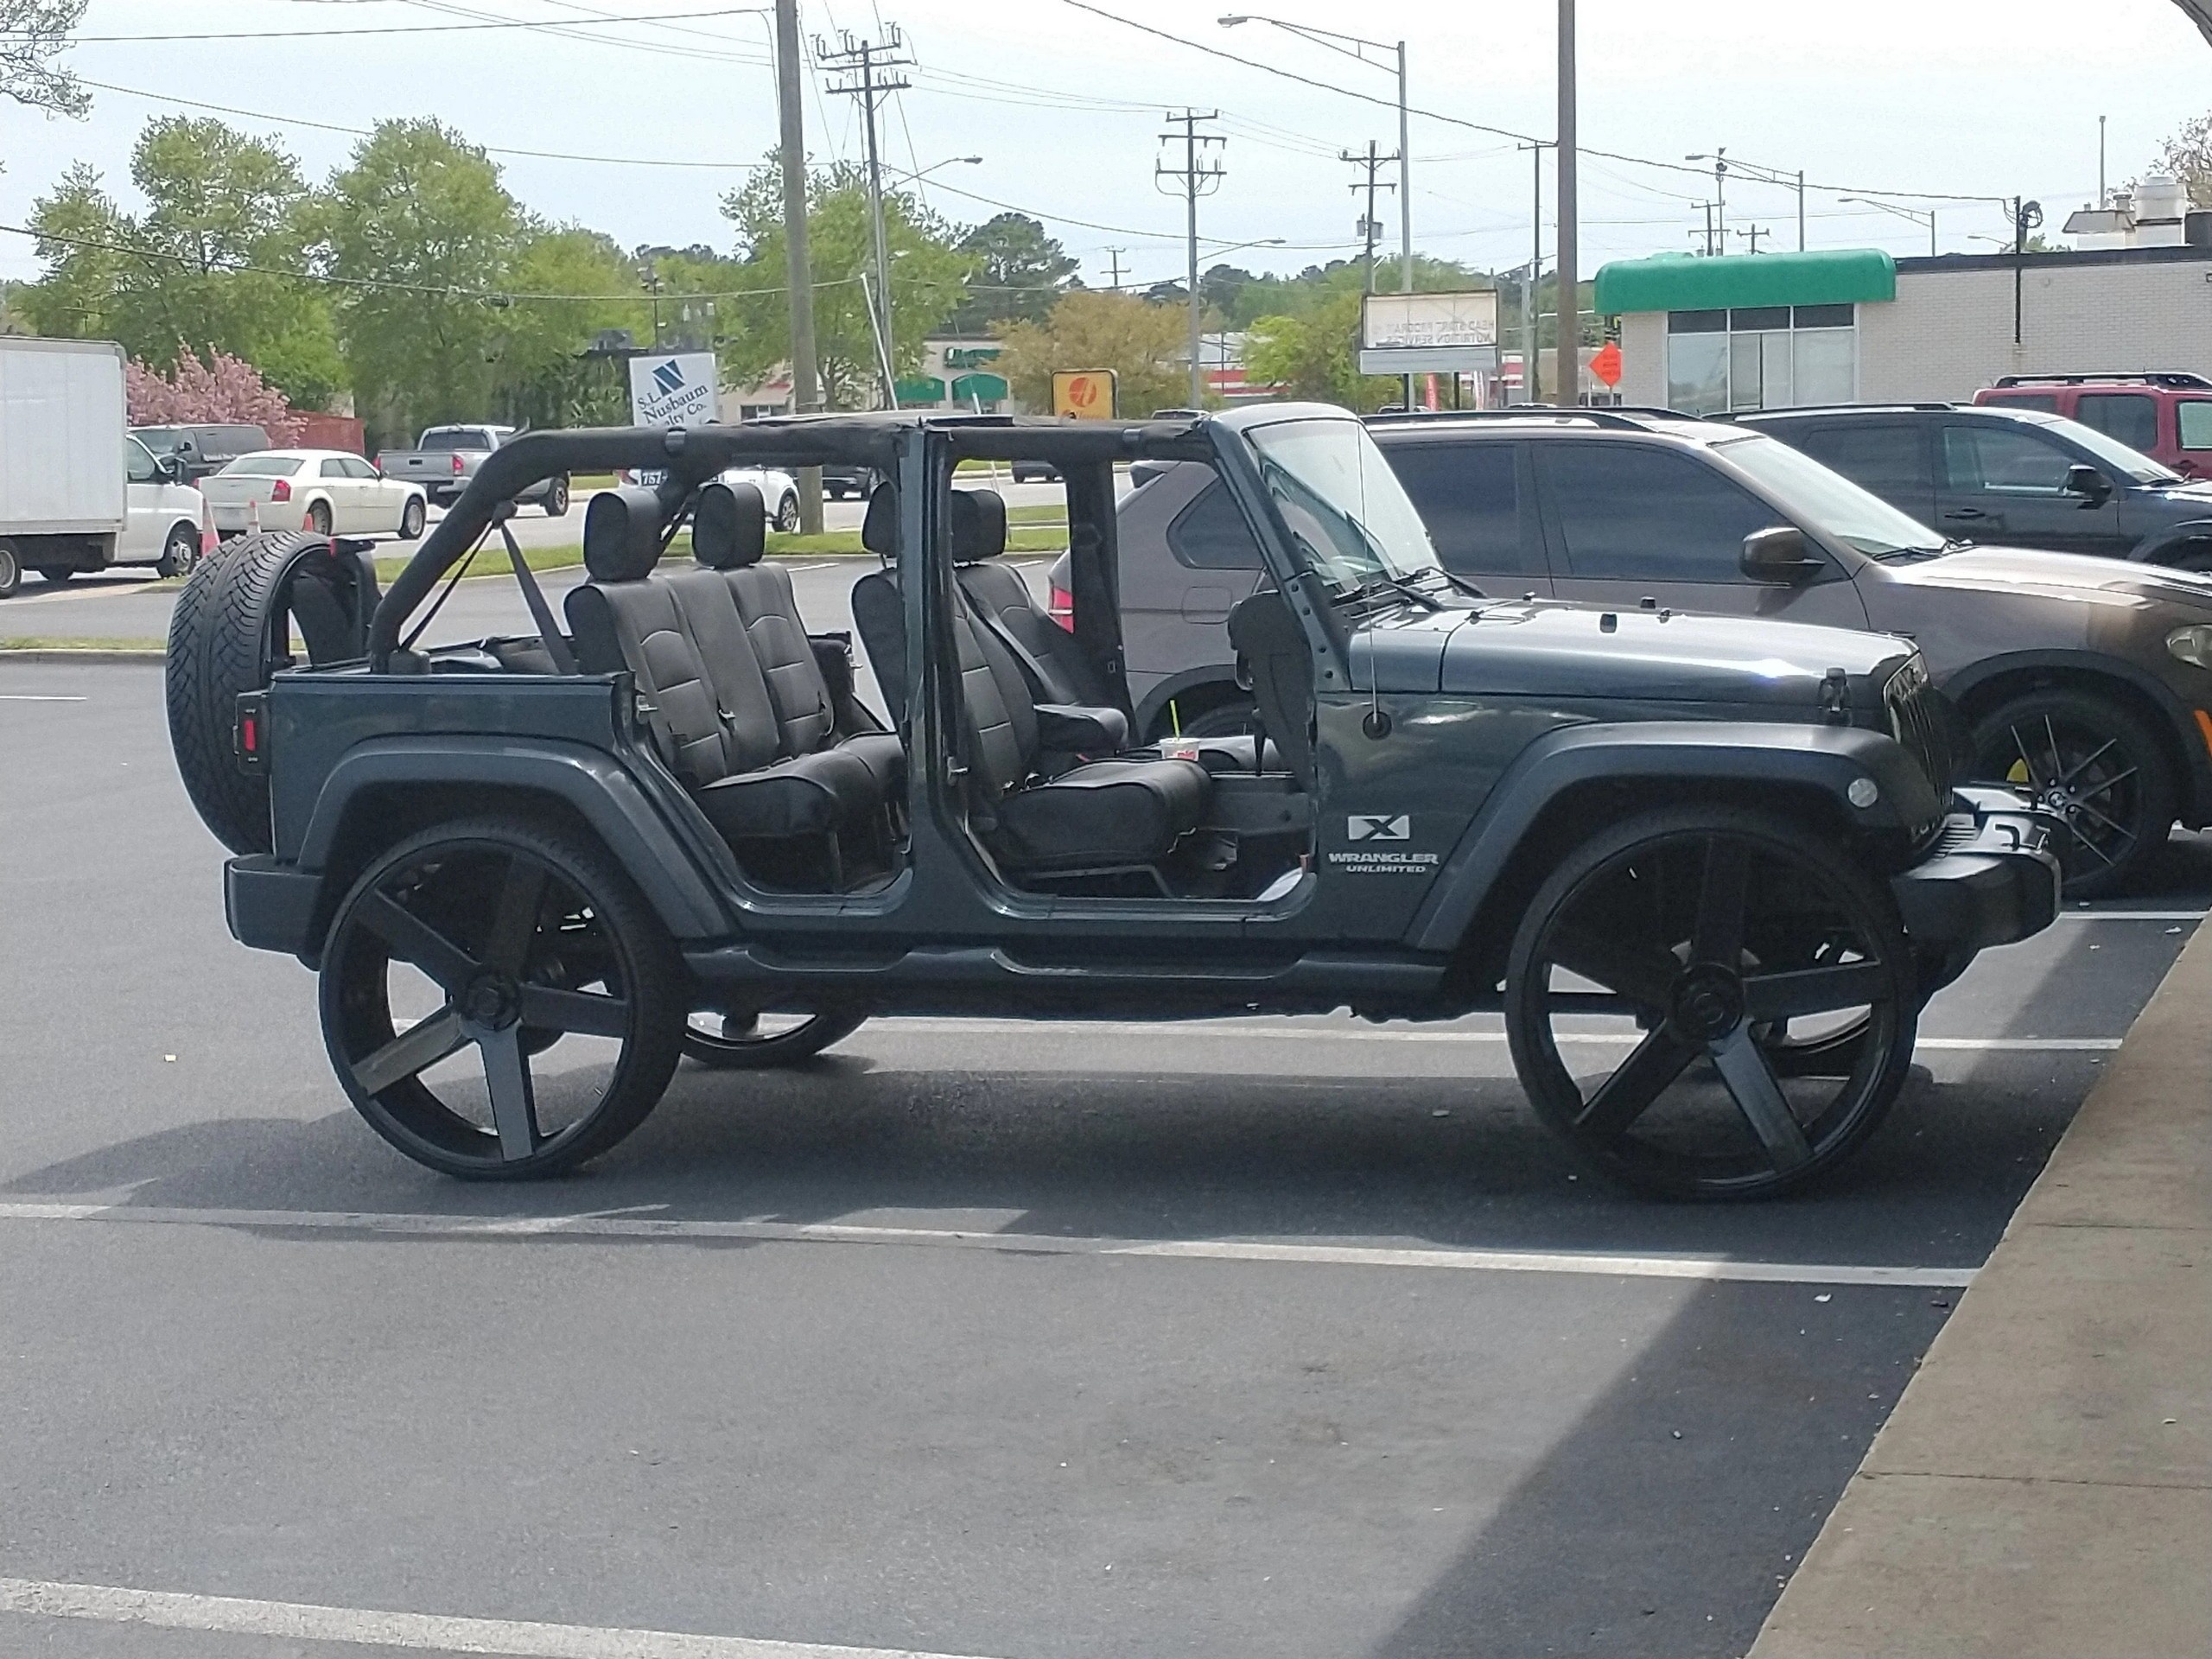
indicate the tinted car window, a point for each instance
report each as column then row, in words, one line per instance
column 2004, row 461
column 2130, row 417
column 1210, row 534
column 440, row 439
column 2045, row 401
column 356, row 468
column 333, row 468
column 1470, row 497
column 1890, row 461
column 2194, row 415
column 1626, row 510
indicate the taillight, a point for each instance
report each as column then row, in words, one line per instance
column 1062, row 606
column 250, row 736
column 456, row 463
column 281, row 490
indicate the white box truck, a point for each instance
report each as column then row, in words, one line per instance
column 77, row 492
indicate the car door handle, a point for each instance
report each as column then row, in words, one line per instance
column 1962, row 513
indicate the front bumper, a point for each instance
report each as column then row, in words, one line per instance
column 1991, row 879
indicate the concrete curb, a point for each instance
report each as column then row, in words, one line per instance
column 63, row 654
column 2043, row 1489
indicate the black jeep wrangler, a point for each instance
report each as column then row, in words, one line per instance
column 1709, row 897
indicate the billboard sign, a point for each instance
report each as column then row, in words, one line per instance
column 1426, row 333
column 1083, row 394
column 673, row 389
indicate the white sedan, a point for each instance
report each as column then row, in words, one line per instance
column 325, row 490
column 779, row 490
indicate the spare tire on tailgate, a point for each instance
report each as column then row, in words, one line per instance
column 230, row 630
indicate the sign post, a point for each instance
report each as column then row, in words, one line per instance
column 1085, row 394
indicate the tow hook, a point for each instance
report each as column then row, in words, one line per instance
column 1835, row 698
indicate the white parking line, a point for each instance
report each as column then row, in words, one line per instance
column 307, row 1622
column 921, row 1027
column 33, row 697
column 1585, row 1264
column 2131, row 915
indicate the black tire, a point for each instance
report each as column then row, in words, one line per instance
column 11, row 571
column 738, row 1043
column 557, row 499
column 412, row 517
column 787, row 514
column 1711, row 927
column 56, row 574
column 2095, row 763
column 319, row 519
column 179, row 554
column 218, row 649
column 1232, row 718
column 510, row 922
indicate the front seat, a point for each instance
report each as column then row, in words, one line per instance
column 1272, row 650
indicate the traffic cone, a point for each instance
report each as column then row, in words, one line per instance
column 209, row 541
column 306, row 519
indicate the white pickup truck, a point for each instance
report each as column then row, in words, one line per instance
column 77, row 492
column 445, row 458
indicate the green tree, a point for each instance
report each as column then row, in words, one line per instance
column 216, row 263
column 421, row 226
column 541, row 376
column 31, row 33
column 1143, row 344
column 929, row 277
column 1020, row 273
column 1315, row 356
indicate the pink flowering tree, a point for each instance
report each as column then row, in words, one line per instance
column 222, row 391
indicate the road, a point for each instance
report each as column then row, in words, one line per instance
column 1193, row 1341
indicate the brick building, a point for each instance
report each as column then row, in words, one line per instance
column 1773, row 330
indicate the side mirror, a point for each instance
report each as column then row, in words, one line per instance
column 2087, row 482
column 1779, row 557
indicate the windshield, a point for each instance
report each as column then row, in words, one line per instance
column 1346, row 509
column 2111, row 453
column 1827, row 501
column 160, row 437
column 263, row 467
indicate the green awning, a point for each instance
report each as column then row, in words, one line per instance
column 920, row 389
column 991, row 388
column 1683, row 282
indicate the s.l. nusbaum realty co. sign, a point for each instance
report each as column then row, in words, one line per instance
column 672, row 389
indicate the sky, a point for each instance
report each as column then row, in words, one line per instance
column 1929, row 99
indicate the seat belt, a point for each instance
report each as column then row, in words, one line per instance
column 557, row 645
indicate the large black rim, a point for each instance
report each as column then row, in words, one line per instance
column 478, row 1007
column 1711, row 1014
column 2088, row 778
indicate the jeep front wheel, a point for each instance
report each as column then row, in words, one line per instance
column 1661, row 957
column 747, row 1041
column 463, row 954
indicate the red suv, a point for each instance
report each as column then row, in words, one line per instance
column 2167, row 417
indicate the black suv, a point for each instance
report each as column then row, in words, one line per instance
column 1708, row 870
column 2018, row 476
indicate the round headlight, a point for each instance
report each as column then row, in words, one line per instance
column 2192, row 646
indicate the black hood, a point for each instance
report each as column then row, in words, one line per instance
column 1569, row 653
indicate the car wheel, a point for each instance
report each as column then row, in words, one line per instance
column 557, row 499
column 1232, row 718
column 2094, row 764
column 1688, row 934
column 756, row 1041
column 180, row 553
column 787, row 514
column 319, row 517
column 11, row 572
column 412, row 517
column 56, row 574
column 468, row 949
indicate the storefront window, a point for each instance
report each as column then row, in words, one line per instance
column 1762, row 357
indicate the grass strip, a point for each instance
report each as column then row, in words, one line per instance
column 60, row 642
column 830, row 544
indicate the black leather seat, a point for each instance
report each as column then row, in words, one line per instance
column 683, row 640
column 1274, row 652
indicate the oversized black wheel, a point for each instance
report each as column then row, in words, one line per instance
column 11, row 571
column 556, row 498
column 787, row 513
column 2094, row 765
column 179, row 553
column 498, row 1002
column 412, row 517
column 1667, row 957
column 753, row 1041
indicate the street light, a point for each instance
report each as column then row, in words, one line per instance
column 950, row 161
column 1912, row 213
column 1723, row 164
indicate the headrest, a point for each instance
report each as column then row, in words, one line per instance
column 978, row 525
column 879, row 529
column 730, row 526
column 622, row 535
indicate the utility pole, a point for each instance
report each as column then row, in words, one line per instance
column 2101, row 161
column 1115, row 254
column 1801, row 210
column 864, row 63
column 1199, row 175
column 1369, row 226
column 1753, row 234
column 806, row 386
column 1531, row 381
column 1570, row 287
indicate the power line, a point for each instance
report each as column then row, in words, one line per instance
column 382, row 29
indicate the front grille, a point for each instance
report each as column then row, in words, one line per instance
column 1922, row 724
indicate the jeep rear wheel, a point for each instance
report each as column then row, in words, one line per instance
column 465, row 954
column 1664, row 956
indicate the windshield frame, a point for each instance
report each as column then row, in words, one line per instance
column 1340, row 543
column 1798, row 498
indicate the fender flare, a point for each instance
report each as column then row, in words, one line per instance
column 593, row 784
column 1826, row 758
column 2147, row 550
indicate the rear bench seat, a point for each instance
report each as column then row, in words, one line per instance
column 759, row 777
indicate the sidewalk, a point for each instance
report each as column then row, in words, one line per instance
column 2044, row 1486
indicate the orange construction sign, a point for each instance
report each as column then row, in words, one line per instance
column 1083, row 394
column 1605, row 363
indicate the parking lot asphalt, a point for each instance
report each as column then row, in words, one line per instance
column 972, row 1338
